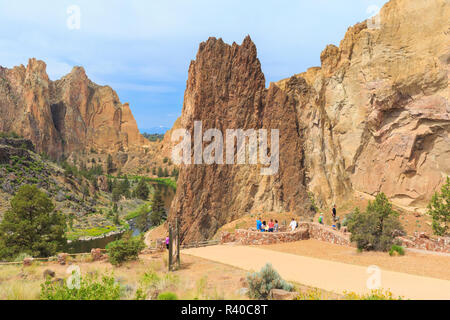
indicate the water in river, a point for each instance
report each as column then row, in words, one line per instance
column 78, row 246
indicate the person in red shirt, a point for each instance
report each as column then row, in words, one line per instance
column 271, row 225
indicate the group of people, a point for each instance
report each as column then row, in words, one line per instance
column 272, row 226
column 263, row 226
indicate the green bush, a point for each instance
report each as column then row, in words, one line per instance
column 398, row 249
column 90, row 288
column 167, row 296
column 439, row 210
column 377, row 227
column 126, row 249
column 261, row 283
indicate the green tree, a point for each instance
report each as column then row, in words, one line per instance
column 160, row 173
column 158, row 211
column 439, row 210
column 31, row 226
column 377, row 227
column 109, row 164
column 142, row 191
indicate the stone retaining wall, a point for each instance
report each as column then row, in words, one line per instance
column 327, row 234
column 249, row 237
column 304, row 231
column 423, row 242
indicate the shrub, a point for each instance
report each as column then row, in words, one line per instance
column 167, row 296
column 439, row 210
column 126, row 249
column 261, row 283
column 396, row 249
column 377, row 227
column 90, row 288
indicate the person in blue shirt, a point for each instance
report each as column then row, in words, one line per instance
column 258, row 224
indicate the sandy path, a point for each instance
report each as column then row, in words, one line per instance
column 328, row 275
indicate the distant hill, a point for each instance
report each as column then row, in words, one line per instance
column 155, row 130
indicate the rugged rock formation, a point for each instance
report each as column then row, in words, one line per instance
column 68, row 115
column 226, row 90
column 376, row 114
column 373, row 118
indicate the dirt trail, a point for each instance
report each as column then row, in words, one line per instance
column 328, row 275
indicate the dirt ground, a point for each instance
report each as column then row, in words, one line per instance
column 414, row 263
column 331, row 276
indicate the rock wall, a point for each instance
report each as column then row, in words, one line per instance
column 305, row 231
column 423, row 242
column 249, row 237
column 72, row 114
column 376, row 114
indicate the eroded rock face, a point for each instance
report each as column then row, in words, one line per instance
column 72, row 114
column 226, row 90
column 373, row 118
column 376, row 114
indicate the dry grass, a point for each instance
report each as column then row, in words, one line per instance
column 196, row 279
column 414, row 263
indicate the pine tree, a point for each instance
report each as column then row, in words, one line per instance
column 31, row 226
column 109, row 164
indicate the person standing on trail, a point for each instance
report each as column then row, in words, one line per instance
column 271, row 225
column 321, row 218
column 293, row 224
column 275, row 227
column 258, row 224
column 334, row 213
column 167, row 243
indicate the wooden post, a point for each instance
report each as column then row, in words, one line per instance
column 178, row 244
column 170, row 247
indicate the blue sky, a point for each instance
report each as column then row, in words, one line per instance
column 142, row 48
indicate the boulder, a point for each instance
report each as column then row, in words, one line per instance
column 278, row 294
column 48, row 274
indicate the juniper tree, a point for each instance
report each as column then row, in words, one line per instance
column 31, row 226
column 439, row 210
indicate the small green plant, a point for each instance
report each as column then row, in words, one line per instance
column 396, row 250
column 167, row 296
column 126, row 249
column 90, row 288
column 373, row 295
column 261, row 283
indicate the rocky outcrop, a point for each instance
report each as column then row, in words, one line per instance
column 72, row 114
column 373, row 118
column 376, row 114
column 226, row 90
